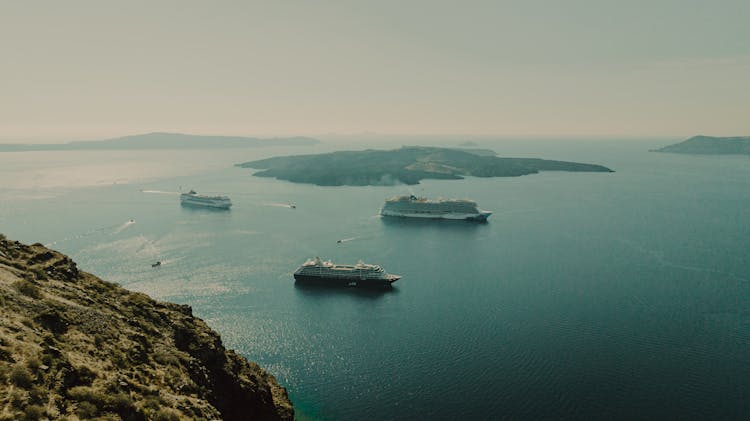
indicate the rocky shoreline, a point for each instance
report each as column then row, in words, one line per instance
column 75, row 346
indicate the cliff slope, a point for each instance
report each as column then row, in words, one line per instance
column 74, row 346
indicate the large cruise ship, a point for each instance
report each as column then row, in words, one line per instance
column 420, row 207
column 192, row 198
column 317, row 271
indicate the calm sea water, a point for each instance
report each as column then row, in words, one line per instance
column 621, row 295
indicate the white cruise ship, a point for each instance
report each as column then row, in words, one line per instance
column 317, row 271
column 420, row 207
column 192, row 198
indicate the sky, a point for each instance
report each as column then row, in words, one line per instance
column 77, row 69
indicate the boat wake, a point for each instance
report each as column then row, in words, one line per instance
column 120, row 228
column 173, row 193
column 168, row 262
column 281, row 205
column 346, row 240
column 116, row 229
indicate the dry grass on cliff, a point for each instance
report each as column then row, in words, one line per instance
column 75, row 347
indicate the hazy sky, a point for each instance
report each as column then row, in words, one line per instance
column 85, row 69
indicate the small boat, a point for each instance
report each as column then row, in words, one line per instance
column 293, row 206
column 157, row 264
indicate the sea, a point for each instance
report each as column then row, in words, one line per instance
column 586, row 296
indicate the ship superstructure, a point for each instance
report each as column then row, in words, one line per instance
column 361, row 275
column 192, row 198
column 420, row 207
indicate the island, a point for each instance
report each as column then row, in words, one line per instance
column 710, row 145
column 159, row 140
column 73, row 346
column 407, row 165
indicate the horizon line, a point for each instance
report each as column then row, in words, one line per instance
column 362, row 134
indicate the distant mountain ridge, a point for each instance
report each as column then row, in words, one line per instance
column 162, row 140
column 710, row 145
column 407, row 165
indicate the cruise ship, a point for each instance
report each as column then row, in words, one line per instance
column 420, row 207
column 317, row 271
column 192, row 198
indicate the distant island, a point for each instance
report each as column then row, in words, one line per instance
column 407, row 165
column 73, row 346
column 477, row 151
column 710, row 145
column 162, row 141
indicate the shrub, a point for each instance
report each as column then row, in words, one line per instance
column 4, row 372
column 21, row 377
column 86, row 410
column 120, row 403
column 164, row 357
column 48, row 339
column 174, row 377
column 38, row 273
column 118, row 359
column 73, row 377
column 53, row 320
column 33, row 412
column 38, row 395
column 27, row 288
column 18, row 399
column 33, row 364
column 87, row 394
column 47, row 359
column 167, row 414
column 6, row 355
column 152, row 402
column 84, row 375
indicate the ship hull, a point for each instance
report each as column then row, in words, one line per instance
column 474, row 217
column 213, row 205
column 346, row 282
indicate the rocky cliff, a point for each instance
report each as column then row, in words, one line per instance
column 75, row 346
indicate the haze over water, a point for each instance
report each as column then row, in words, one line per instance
column 587, row 295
